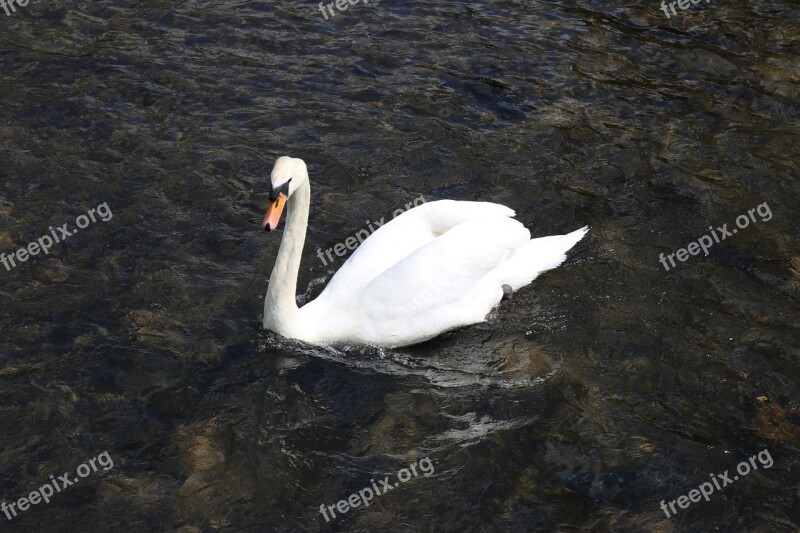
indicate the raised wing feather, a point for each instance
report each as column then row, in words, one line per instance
column 402, row 236
column 425, row 289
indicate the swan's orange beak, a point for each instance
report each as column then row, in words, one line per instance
column 274, row 211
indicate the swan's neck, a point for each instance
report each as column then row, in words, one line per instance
column 280, row 306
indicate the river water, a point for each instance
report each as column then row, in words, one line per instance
column 607, row 386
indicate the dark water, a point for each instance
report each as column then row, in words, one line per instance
column 605, row 387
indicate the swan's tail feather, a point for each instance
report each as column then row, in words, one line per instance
column 537, row 256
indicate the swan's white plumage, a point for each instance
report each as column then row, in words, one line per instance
column 436, row 267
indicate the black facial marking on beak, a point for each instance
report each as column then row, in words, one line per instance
column 273, row 192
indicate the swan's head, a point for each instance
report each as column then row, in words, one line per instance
column 288, row 174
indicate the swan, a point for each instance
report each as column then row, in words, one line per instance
column 436, row 267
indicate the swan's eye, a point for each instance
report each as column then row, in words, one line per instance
column 274, row 192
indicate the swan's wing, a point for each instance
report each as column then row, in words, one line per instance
column 402, row 236
column 445, row 283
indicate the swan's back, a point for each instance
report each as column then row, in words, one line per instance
column 402, row 236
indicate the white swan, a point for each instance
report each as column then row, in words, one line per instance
column 436, row 267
